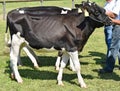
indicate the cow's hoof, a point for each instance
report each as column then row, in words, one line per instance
column 36, row 67
column 60, row 83
column 20, row 81
column 83, row 86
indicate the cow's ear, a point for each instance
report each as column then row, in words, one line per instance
column 86, row 13
column 79, row 10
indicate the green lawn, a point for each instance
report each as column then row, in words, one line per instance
column 44, row 78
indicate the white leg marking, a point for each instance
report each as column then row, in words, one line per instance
column 75, row 59
column 14, row 55
column 72, row 67
column 57, row 64
column 31, row 55
column 64, row 61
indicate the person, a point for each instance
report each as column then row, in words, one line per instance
column 109, row 5
column 114, row 50
column 108, row 29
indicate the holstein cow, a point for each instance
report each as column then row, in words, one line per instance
column 60, row 31
column 48, row 10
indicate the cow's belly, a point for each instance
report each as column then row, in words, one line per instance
column 45, row 41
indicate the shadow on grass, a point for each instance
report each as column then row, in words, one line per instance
column 50, row 61
column 108, row 76
column 49, row 75
column 43, row 61
column 46, row 74
column 101, row 61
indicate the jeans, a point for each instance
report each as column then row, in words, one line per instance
column 108, row 36
column 114, row 50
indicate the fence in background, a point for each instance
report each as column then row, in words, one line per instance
column 13, row 1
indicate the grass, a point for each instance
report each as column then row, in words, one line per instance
column 44, row 79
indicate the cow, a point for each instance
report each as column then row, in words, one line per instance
column 60, row 31
column 51, row 10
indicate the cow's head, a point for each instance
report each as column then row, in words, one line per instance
column 96, row 12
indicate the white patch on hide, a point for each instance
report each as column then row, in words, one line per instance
column 64, row 12
column 21, row 11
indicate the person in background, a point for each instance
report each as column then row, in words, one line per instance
column 114, row 50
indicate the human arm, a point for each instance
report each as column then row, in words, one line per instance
column 111, row 14
column 112, row 17
column 115, row 21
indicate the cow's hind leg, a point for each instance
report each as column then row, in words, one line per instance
column 31, row 55
column 75, row 59
column 19, row 63
column 64, row 61
column 14, row 55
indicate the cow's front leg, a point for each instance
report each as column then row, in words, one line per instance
column 31, row 55
column 75, row 59
column 14, row 55
column 57, row 64
column 72, row 67
column 64, row 61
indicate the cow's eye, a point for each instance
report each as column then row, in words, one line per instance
column 97, row 13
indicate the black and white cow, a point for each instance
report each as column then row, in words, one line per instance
column 60, row 31
column 48, row 10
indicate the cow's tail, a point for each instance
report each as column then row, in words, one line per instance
column 7, row 36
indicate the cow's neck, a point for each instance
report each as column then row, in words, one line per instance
column 87, row 27
column 91, row 25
